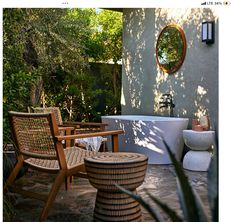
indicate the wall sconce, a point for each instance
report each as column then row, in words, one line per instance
column 208, row 32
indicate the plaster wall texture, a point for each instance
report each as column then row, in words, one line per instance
column 194, row 86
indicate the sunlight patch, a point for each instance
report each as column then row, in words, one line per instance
column 201, row 90
column 148, row 145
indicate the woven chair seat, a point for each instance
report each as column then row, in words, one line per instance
column 74, row 157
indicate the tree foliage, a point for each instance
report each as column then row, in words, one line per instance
column 46, row 60
column 105, row 43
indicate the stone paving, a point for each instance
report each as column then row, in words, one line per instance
column 77, row 204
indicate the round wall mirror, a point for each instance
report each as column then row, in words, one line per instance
column 171, row 48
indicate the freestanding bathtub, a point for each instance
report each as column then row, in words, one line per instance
column 142, row 135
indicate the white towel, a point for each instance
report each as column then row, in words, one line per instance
column 92, row 143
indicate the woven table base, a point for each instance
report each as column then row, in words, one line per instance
column 104, row 171
column 116, row 207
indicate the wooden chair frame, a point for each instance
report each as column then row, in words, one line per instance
column 63, row 169
column 80, row 126
column 69, row 127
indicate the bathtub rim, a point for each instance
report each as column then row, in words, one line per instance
column 155, row 118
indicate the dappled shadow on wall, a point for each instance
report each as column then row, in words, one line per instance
column 139, row 63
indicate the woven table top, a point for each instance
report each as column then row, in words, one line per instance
column 117, row 158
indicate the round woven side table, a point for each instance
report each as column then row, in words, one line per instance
column 107, row 169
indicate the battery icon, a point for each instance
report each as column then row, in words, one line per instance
column 227, row 3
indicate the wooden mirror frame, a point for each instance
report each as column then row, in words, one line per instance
column 175, row 68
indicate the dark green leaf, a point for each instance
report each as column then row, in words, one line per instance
column 186, row 194
column 171, row 213
column 213, row 180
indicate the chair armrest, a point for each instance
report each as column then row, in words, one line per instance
column 84, row 123
column 66, row 128
column 112, row 133
column 86, row 135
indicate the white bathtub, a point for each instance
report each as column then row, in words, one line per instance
column 142, row 135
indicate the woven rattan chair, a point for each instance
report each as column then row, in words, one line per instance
column 82, row 127
column 70, row 126
column 39, row 145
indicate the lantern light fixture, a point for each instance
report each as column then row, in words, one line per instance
column 208, row 32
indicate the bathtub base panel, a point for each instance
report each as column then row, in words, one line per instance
column 143, row 134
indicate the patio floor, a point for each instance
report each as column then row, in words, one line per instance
column 77, row 204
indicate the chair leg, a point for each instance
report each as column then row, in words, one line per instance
column 14, row 172
column 104, row 147
column 52, row 195
column 67, row 182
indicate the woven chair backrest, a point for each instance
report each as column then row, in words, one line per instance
column 34, row 134
column 56, row 110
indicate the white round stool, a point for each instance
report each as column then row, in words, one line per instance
column 198, row 158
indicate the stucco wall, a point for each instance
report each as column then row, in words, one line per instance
column 194, row 86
